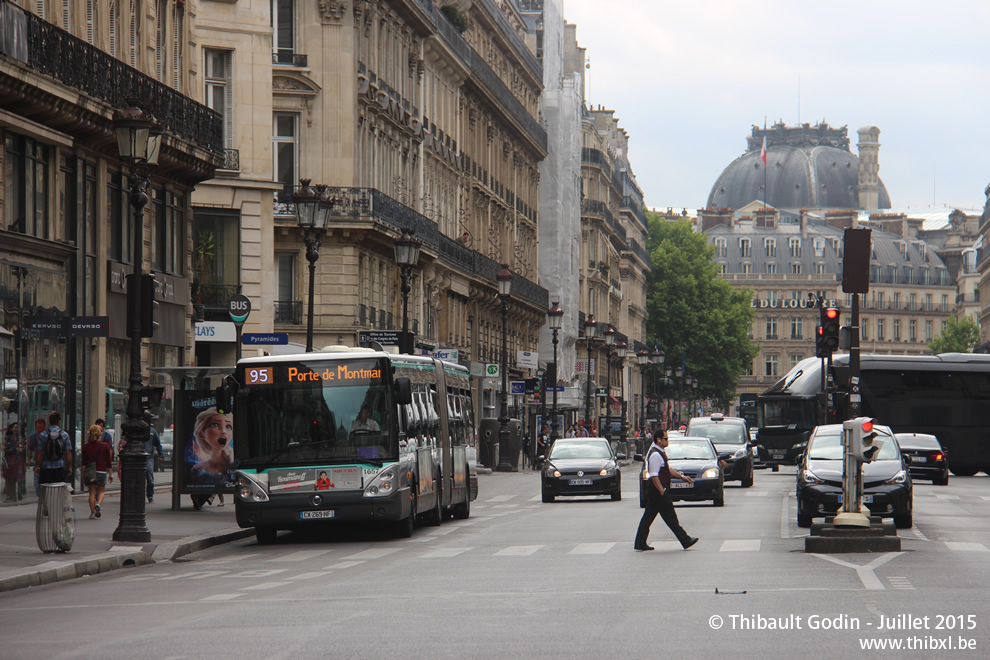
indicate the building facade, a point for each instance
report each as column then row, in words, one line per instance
column 68, row 227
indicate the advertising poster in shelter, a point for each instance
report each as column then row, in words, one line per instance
column 204, row 452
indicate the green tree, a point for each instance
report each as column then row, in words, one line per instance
column 957, row 337
column 696, row 314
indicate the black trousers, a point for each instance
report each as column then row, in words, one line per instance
column 662, row 504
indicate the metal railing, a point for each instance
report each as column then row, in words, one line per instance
column 217, row 295
column 636, row 207
column 289, row 311
column 364, row 204
column 594, row 207
column 633, row 246
column 596, row 157
column 77, row 64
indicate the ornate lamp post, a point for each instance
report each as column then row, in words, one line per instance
column 138, row 140
column 313, row 212
column 609, row 343
column 590, row 328
column 678, row 374
column 407, row 256
column 504, row 279
column 656, row 359
column 643, row 358
column 556, row 317
column 694, row 397
column 620, row 353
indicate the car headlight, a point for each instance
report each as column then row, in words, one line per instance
column 607, row 471
column 250, row 490
column 811, row 477
column 898, row 478
column 710, row 473
column 383, row 483
column 741, row 453
column 553, row 472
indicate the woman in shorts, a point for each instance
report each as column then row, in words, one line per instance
column 97, row 452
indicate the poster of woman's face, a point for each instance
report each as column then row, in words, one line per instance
column 210, row 452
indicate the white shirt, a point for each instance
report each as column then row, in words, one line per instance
column 654, row 461
column 369, row 425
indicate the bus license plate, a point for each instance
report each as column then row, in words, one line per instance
column 580, row 482
column 680, row 484
column 316, row 515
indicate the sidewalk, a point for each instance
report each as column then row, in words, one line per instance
column 173, row 534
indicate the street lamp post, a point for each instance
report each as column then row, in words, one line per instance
column 313, row 211
column 656, row 359
column 590, row 328
column 556, row 316
column 407, row 249
column 620, row 353
column 679, row 373
column 504, row 278
column 138, row 140
column 609, row 343
column 643, row 358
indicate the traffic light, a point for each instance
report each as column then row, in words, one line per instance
column 830, row 330
column 820, row 350
column 863, row 441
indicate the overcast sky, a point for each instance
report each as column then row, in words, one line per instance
column 688, row 78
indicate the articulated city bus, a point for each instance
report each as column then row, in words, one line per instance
column 350, row 434
column 946, row 395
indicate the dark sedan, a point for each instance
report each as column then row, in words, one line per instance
column 582, row 466
column 928, row 460
column 730, row 435
column 887, row 487
column 693, row 457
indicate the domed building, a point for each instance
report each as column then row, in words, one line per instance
column 787, row 249
column 807, row 167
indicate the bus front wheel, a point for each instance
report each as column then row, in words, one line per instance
column 406, row 525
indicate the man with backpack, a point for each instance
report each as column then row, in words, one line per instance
column 53, row 458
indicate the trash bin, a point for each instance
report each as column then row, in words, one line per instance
column 55, row 525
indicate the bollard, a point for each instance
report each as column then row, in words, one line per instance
column 55, row 525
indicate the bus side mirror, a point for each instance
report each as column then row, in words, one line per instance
column 225, row 395
column 403, row 390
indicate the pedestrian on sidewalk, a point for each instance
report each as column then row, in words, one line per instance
column 154, row 448
column 105, row 435
column 13, row 464
column 658, row 500
column 32, row 451
column 53, row 459
column 96, row 463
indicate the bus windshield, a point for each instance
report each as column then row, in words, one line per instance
column 294, row 413
column 789, row 414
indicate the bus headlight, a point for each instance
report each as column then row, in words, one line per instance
column 250, row 490
column 383, row 484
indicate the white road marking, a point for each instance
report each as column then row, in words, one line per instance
column 309, row 576
column 373, row 553
column 865, row 573
column 345, row 564
column 195, row 575
column 985, row 498
column 947, row 497
column 441, row 531
column 257, row 573
column 302, row 555
column 518, row 550
column 759, row 493
column 222, row 597
column 591, row 548
column 264, row 586
column 224, row 560
column 740, row 545
column 900, row 582
column 500, row 498
column 537, row 498
column 124, row 548
column 441, row 553
column 505, row 506
column 963, row 546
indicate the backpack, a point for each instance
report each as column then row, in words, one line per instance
column 54, row 449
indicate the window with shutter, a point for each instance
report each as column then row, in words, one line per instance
column 112, row 27
column 91, row 21
column 67, row 15
column 132, row 46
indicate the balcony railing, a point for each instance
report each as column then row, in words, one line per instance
column 288, row 311
column 636, row 206
column 600, row 209
column 596, row 157
column 77, row 64
column 217, row 295
column 290, row 58
column 364, row 204
column 638, row 250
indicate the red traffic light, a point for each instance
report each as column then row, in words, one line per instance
column 831, row 313
column 867, row 426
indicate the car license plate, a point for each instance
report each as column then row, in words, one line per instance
column 316, row 515
column 580, row 482
column 778, row 456
column 867, row 499
column 680, row 484
column 919, row 459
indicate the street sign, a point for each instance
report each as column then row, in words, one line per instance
column 491, row 371
column 239, row 307
column 256, row 338
column 600, row 391
column 527, row 359
column 383, row 337
column 517, row 386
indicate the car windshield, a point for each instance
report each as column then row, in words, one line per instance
column 919, row 441
column 567, row 449
column 721, row 433
column 690, row 450
column 828, row 447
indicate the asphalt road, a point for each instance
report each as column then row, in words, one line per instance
column 525, row 579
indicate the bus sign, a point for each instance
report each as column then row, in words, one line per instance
column 239, row 307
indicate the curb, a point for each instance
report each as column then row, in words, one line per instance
column 59, row 571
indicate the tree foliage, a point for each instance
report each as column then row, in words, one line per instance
column 695, row 314
column 957, row 337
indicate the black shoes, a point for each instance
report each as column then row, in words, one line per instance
column 644, row 548
column 689, row 542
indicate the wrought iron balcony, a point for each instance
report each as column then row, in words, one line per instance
column 73, row 62
column 216, row 295
column 288, row 311
column 287, row 57
column 596, row 157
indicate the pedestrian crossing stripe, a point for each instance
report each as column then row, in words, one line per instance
column 444, row 553
column 963, row 546
column 518, row 550
column 740, row 545
column 591, row 549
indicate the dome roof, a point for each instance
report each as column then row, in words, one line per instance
column 807, row 167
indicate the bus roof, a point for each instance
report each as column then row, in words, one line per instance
column 347, row 352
